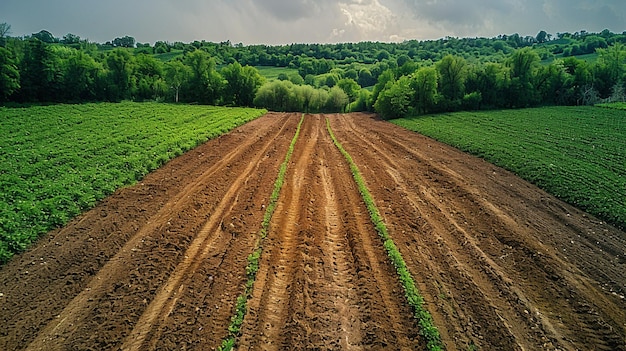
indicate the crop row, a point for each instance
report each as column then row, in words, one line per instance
column 57, row 161
column 254, row 258
column 427, row 328
column 614, row 105
column 574, row 153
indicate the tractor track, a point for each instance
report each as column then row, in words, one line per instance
column 493, row 276
column 324, row 281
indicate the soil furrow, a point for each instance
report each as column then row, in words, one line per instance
column 338, row 290
column 373, row 268
column 276, row 279
column 465, row 227
column 462, row 276
column 335, row 254
column 207, row 242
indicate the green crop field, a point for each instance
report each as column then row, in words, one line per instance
column 270, row 72
column 56, row 161
column 614, row 105
column 576, row 153
column 168, row 56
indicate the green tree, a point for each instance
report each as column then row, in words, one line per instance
column 386, row 77
column 472, row 101
column 331, row 79
column 492, row 81
column 581, row 80
column 610, row 68
column 337, row 100
column 276, row 96
column 309, row 79
column 407, row 69
column 36, row 71
column 552, row 82
column 306, row 68
column 323, row 65
column 362, row 101
column 424, row 86
column 9, row 75
column 524, row 64
column 402, row 60
column 350, row 87
column 5, row 30
column 58, row 70
column 161, row 47
column 70, row 39
column 394, row 101
column 382, row 55
column 45, row 36
column 318, row 100
column 365, row 78
column 176, row 73
column 452, row 73
column 500, row 45
column 542, row 37
column 150, row 78
column 308, row 93
column 125, row 42
column 351, row 73
column 205, row 83
column 120, row 64
column 80, row 77
column 296, row 79
column 242, row 84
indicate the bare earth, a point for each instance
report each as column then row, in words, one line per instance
column 158, row 266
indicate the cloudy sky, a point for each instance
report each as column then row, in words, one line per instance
column 307, row 21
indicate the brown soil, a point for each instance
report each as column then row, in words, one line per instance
column 324, row 281
column 158, row 266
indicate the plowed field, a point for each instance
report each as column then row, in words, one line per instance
column 158, row 266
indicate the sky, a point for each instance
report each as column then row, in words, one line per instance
column 276, row 22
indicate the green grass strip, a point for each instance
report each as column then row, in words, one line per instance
column 254, row 259
column 613, row 105
column 427, row 328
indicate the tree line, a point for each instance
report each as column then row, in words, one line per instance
column 519, row 81
column 34, row 71
column 393, row 79
column 296, row 55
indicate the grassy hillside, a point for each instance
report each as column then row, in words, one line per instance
column 271, row 72
column 56, row 161
column 575, row 153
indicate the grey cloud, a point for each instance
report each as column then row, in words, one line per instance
column 286, row 21
column 462, row 13
column 290, row 10
column 589, row 15
column 492, row 17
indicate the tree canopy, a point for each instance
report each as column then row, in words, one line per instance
column 447, row 74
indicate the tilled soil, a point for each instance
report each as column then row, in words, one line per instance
column 325, row 282
column 158, row 266
column 502, row 264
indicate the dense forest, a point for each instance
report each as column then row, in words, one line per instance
column 393, row 79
